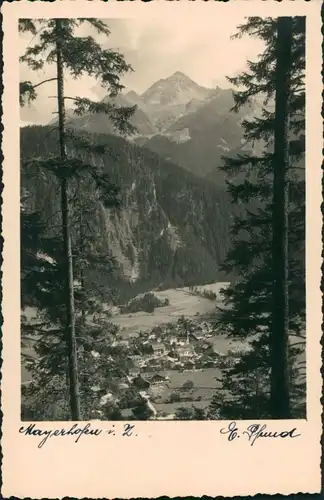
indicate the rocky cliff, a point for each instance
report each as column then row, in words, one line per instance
column 172, row 228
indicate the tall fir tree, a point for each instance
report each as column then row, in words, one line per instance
column 58, row 44
column 248, row 315
column 103, row 365
column 280, row 397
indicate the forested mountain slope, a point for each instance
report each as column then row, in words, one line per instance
column 172, row 227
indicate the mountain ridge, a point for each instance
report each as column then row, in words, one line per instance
column 158, row 107
column 182, row 121
column 173, row 228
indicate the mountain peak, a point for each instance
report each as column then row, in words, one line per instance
column 132, row 93
column 175, row 89
column 178, row 75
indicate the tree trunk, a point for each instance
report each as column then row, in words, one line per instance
column 70, row 316
column 257, row 395
column 82, row 281
column 280, row 404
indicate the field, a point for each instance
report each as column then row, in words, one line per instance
column 182, row 303
column 205, row 386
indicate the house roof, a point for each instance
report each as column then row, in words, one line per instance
column 123, row 385
column 139, row 380
column 185, row 348
column 158, row 346
column 134, row 370
column 122, row 342
column 156, row 376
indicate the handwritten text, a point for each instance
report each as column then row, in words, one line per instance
column 75, row 430
column 256, row 431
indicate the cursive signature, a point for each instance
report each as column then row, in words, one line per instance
column 256, row 431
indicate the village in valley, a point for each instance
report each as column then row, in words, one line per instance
column 176, row 364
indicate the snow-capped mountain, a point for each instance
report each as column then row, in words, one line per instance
column 162, row 104
column 182, row 121
column 168, row 99
column 176, row 89
column 199, row 138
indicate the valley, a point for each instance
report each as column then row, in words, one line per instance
column 163, row 330
column 181, row 303
column 206, row 381
column 175, row 354
column 167, row 237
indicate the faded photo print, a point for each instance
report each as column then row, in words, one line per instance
column 162, row 219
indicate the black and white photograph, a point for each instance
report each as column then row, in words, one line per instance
column 162, row 218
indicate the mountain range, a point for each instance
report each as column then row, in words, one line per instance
column 173, row 228
column 190, row 125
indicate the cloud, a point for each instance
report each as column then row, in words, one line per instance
column 156, row 49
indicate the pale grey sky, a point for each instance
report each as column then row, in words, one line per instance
column 156, row 48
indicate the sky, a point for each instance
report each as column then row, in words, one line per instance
column 155, row 48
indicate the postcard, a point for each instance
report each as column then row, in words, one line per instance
column 161, row 248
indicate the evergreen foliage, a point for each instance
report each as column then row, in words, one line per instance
column 102, row 365
column 193, row 413
column 57, row 43
column 248, row 312
column 146, row 302
column 206, row 294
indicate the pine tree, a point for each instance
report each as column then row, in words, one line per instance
column 280, row 398
column 193, row 413
column 102, row 365
column 216, row 406
column 58, row 44
column 142, row 411
column 248, row 313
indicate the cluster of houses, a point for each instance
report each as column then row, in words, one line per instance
column 182, row 346
column 171, row 347
column 163, row 358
